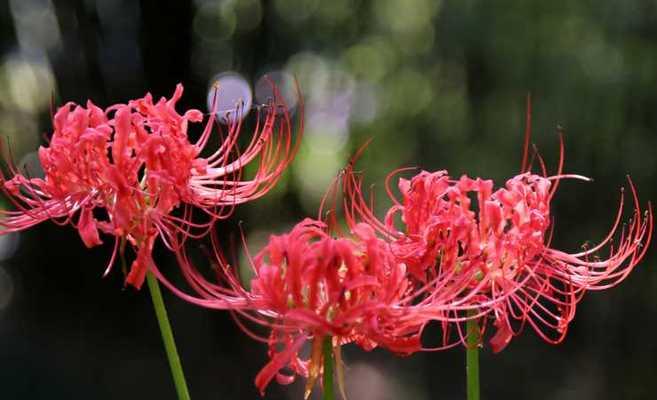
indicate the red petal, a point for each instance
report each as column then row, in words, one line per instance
column 269, row 371
column 87, row 228
column 141, row 264
column 502, row 337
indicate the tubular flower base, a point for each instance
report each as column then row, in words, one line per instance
column 123, row 171
column 494, row 254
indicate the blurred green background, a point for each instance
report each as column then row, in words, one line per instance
column 436, row 84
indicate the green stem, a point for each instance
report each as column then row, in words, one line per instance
column 472, row 359
column 328, row 369
column 167, row 337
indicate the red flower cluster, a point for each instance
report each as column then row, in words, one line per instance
column 449, row 250
column 123, row 171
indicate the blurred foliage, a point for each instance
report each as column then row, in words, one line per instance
column 436, row 84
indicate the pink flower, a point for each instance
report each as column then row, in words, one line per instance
column 317, row 286
column 310, row 286
column 124, row 171
column 490, row 249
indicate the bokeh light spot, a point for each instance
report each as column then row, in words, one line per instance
column 30, row 81
column 402, row 17
column 8, row 245
column 295, row 10
column 281, row 81
column 229, row 96
column 215, row 21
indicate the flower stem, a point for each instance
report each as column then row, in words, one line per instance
column 328, row 369
column 472, row 359
column 167, row 337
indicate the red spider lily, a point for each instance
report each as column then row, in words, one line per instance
column 309, row 286
column 136, row 163
column 499, row 246
column 505, row 244
column 318, row 286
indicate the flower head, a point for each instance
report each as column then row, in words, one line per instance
column 311, row 286
column 317, row 286
column 123, row 171
column 490, row 249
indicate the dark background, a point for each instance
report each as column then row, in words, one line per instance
column 440, row 85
